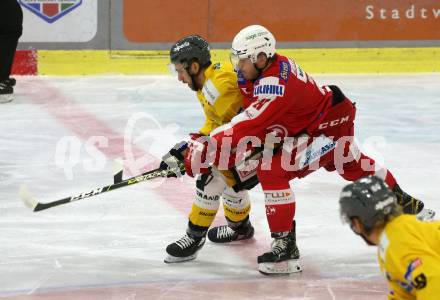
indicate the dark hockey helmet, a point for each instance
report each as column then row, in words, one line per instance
column 192, row 47
column 369, row 199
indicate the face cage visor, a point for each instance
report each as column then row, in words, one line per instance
column 177, row 68
column 236, row 56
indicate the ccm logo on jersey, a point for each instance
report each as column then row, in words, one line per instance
column 334, row 122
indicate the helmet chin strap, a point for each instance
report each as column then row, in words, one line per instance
column 260, row 70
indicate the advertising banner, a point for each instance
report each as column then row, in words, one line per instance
column 59, row 20
column 291, row 21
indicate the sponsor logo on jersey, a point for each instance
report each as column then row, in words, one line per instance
column 317, row 149
column 292, row 66
column 210, row 92
column 284, row 71
column 270, row 210
column 334, row 123
column 278, row 197
column 384, row 242
column 207, row 214
column 241, row 81
column 232, row 201
column 298, row 72
column 206, row 197
column 50, row 10
column 416, row 263
column 411, row 267
column 249, row 113
column 278, row 130
column 269, row 90
column 236, row 212
column 419, row 281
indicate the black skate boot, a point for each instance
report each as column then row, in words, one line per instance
column 284, row 257
column 10, row 81
column 6, row 93
column 186, row 248
column 413, row 206
column 234, row 231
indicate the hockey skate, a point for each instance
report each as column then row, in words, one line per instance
column 230, row 233
column 184, row 249
column 426, row 214
column 411, row 205
column 284, row 257
column 10, row 81
column 6, row 93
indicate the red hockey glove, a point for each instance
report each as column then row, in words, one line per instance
column 197, row 159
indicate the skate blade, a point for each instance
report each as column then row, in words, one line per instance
column 242, row 238
column 239, row 238
column 280, row 268
column 169, row 259
column 6, row 98
column 426, row 214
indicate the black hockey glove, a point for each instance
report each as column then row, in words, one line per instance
column 173, row 160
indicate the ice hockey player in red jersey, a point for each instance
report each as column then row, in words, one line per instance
column 315, row 126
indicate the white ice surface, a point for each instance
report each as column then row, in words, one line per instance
column 112, row 246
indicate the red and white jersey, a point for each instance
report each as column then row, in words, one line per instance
column 283, row 99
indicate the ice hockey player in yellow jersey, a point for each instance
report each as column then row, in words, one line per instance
column 408, row 249
column 218, row 93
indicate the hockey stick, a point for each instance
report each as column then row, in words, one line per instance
column 35, row 205
column 118, row 169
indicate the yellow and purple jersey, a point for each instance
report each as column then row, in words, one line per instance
column 409, row 256
column 220, row 97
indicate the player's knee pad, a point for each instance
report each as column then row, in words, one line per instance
column 207, row 199
column 236, row 205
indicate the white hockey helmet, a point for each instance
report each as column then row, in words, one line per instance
column 251, row 41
